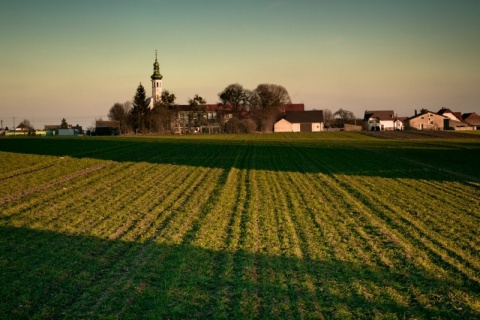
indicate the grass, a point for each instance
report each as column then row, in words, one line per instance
column 293, row 226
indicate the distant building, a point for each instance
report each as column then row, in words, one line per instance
column 472, row 119
column 447, row 113
column 78, row 128
column 300, row 121
column 399, row 123
column 67, row 132
column 23, row 128
column 51, row 129
column 454, row 120
column 425, row 121
column 107, row 128
column 379, row 120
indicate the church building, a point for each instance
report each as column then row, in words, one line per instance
column 156, row 81
column 156, row 84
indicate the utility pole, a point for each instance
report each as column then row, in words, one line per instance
column 13, row 125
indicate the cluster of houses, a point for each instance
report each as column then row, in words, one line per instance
column 49, row 130
column 381, row 120
column 293, row 118
column 444, row 119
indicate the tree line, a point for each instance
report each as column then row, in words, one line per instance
column 238, row 110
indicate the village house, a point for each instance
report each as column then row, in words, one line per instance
column 472, row 119
column 425, row 121
column 447, row 113
column 399, row 123
column 300, row 121
column 379, row 120
column 208, row 118
column 453, row 120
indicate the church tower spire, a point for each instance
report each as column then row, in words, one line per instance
column 156, row 81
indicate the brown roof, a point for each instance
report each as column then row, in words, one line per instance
column 312, row 116
column 426, row 113
column 471, row 118
column 401, row 119
column 458, row 115
column 22, row 126
column 381, row 114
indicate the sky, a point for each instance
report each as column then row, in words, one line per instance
column 75, row 59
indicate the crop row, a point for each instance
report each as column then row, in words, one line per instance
column 288, row 226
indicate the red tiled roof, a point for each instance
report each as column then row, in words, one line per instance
column 293, row 107
column 217, row 107
column 208, row 107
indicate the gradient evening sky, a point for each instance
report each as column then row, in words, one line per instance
column 75, row 59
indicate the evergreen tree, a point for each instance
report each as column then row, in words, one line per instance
column 64, row 124
column 140, row 111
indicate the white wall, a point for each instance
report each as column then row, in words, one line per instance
column 282, row 126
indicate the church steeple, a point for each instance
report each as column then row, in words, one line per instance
column 156, row 81
column 156, row 69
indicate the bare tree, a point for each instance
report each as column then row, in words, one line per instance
column 238, row 98
column 163, row 112
column 328, row 117
column 198, row 112
column 265, row 103
column 343, row 115
column 119, row 112
column 27, row 126
column 26, row 123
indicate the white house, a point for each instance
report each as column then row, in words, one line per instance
column 379, row 120
column 300, row 121
column 399, row 123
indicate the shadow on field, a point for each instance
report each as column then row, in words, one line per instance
column 50, row 275
column 433, row 160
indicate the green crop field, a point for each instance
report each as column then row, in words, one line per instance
column 281, row 226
